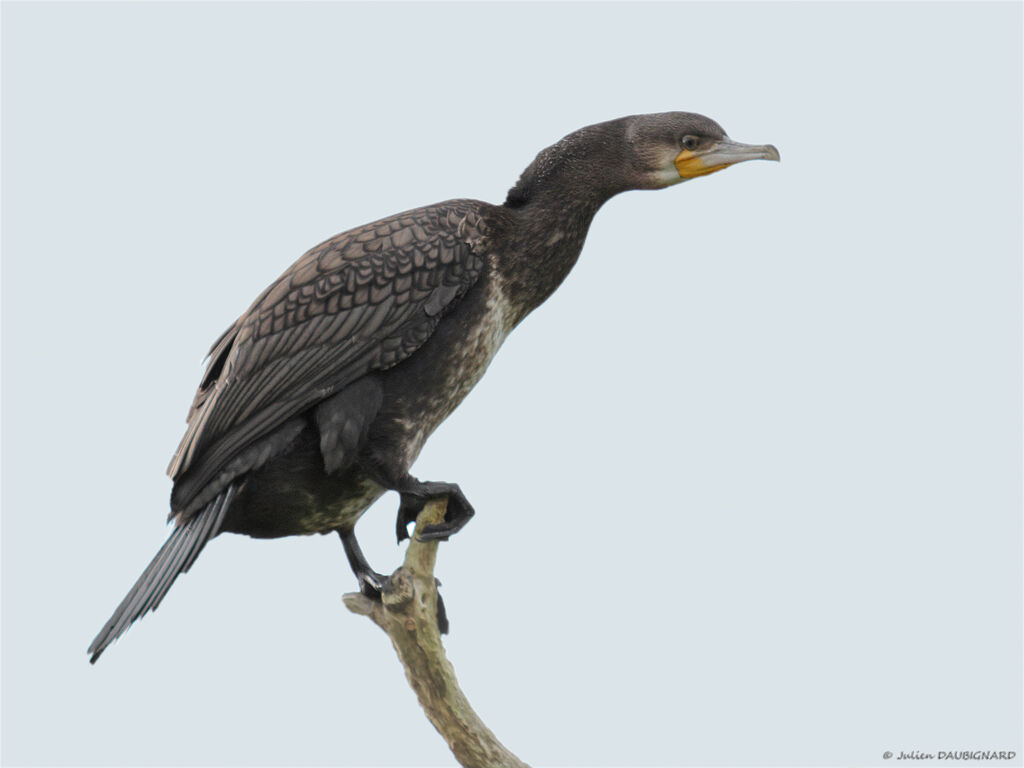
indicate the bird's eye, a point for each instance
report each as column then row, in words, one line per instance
column 689, row 142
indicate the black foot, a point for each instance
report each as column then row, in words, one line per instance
column 415, row 496
column 371, row 583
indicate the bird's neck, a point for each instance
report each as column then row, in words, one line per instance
column 544, row 241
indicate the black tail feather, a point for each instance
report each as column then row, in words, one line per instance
column 175, row 557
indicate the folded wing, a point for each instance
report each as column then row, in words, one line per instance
column 362, row 301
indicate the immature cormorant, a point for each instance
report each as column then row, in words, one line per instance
column 319, row 398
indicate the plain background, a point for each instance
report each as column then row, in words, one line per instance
column 748, row 486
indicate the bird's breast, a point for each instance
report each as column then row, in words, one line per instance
column 440, row 375
column 483, row 337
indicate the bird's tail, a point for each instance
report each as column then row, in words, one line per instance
column 175, row 557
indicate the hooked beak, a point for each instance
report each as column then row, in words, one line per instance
column 721, row 154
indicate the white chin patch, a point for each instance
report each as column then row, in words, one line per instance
column 669, row 176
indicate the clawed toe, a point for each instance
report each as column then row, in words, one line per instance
column 436, row 532
column 414, row 498
column 373, row 584
column 459, row 513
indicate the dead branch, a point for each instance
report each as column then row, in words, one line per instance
column 408, row 614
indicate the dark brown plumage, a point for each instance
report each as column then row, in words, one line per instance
column 319, row 398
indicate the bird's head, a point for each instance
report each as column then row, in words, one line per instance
column 671, row 147
column 637, row 152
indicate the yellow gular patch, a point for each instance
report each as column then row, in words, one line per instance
column 691, row 165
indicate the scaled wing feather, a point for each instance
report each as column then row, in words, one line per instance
column 362, row 301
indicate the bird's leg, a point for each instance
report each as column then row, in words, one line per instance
column 371, row 583
column 415, row 494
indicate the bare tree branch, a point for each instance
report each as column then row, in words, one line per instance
column 408, row 614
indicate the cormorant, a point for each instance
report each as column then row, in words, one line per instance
column 320, row 396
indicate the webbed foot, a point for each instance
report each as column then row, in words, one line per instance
column 373, row 584
column 416, row 494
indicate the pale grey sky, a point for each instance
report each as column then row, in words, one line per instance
column 748, row 486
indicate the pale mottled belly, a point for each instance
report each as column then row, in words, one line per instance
column 293, row 496
column 459, row 361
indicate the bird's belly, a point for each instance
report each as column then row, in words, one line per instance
column 292, row 495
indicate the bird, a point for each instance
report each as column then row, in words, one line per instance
column 319, row 397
